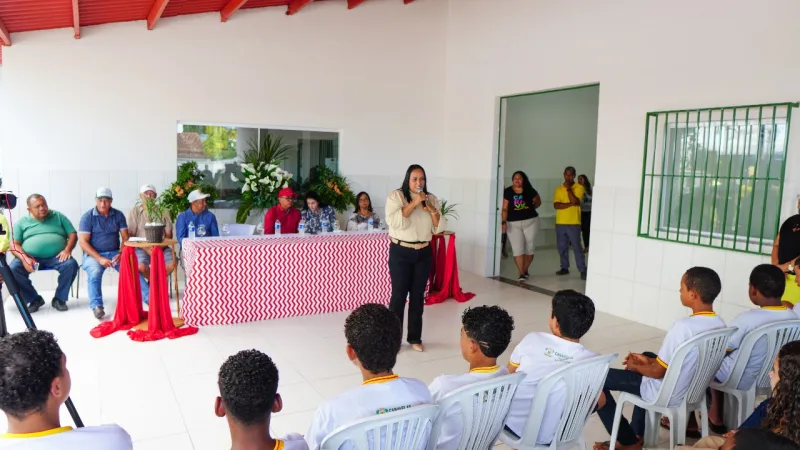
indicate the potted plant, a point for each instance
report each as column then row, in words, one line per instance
column 448, row 210
column 262, row 178
column 154, row 209
column 176, row 198
column 332, row 188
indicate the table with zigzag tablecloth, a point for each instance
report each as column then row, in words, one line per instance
column 244, row 279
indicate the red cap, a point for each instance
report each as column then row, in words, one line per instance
column 287, row 192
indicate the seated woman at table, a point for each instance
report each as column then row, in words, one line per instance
column 362, row 214
column 314, row 212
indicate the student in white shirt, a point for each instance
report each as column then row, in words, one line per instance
column 34, row 383
column 700, row 286
column 539, row 354
column 374, row 334
column 248, row 395
column 767, row 283
column 485, row 335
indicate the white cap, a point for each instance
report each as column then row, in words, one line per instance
column 147, row 187
column 196, row 195
column 103, row 192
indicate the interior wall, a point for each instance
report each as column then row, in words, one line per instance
column 544, row 133
column 644, row 62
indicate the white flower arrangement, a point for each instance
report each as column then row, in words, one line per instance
column 263, row 179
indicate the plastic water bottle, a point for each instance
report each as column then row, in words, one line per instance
column 324, row 223
column 301, row 227
column 370, row 224
column 191, row 230
column 277, row 227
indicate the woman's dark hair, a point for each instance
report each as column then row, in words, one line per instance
column 312, row 195
column 358, row 197
column 588, row 185
column 405, row 189
column 761, row 439
column 526, row 183
column 783, row 414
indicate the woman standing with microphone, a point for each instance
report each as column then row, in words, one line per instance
column 412, row 215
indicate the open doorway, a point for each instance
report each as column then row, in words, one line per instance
column 541, row 134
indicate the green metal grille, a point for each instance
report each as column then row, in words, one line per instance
column 714, row 176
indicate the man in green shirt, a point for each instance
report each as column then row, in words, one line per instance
column 44, row 240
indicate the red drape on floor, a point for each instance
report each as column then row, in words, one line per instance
column 129, row 298
column 444, row 274
column 159, row 321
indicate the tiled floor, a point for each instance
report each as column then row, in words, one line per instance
column 163, row 392
column 543, row 271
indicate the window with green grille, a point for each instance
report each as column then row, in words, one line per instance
column 714, row 176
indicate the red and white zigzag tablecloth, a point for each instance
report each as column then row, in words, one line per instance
column 243, row 279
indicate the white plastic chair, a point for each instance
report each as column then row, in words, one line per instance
column 241, row 229
column 583, row 382
column 484, row 407
column 711, row 347
column 740, row 400
column 400, row 430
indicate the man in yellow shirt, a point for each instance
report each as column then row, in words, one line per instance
column 567, row 202
column 5, row 236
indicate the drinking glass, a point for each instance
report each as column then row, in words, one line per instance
column 225, row 230
column 201, row 231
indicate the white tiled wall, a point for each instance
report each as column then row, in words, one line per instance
column 639, row 279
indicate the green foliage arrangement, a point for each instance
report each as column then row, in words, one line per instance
column 448, row 209
column 175, row 199
column 155, row 209
column 332, row 188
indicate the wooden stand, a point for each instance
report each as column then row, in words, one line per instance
column 135, row 270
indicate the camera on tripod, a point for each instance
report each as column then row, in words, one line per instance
column 8, row 200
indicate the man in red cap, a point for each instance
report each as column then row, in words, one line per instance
column 284, row 212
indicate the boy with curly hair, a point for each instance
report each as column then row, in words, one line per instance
column 374, row 335
column 485, row 335
column 34, row 383
column 248, row 395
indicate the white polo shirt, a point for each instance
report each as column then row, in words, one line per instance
column 453, row 425
column 747, row 322
column 681, row 331
column 292, row 441
column 376, row 396
column 106, row 437
column 538, row 355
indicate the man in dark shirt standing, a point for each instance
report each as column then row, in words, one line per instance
column 785, row 254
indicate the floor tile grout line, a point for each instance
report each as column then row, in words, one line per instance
column 528, row 287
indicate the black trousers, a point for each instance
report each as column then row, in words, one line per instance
column 586, row 223
column 410, row 270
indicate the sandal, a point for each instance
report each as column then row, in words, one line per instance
column 690, row 433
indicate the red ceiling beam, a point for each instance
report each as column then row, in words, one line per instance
column 76, row 19
column 231, row 8
column 353, row 3
column 5, row 38
column 296, row 5
column 155, row 13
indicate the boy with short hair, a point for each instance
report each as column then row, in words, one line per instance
column 485, row 335
column 34, row 383
column 644, row 373
column 539, row 354
column 374, row 335
column 767, row 283
column 248, row 395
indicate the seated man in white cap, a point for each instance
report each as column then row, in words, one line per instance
column 99, row 236
column 198, row 215
column 137, row 219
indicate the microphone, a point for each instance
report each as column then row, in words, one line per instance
column 424, row 203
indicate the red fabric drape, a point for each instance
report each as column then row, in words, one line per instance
column 159, row 322
column 129, row 298
column 445, row 271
